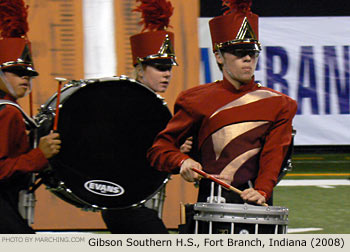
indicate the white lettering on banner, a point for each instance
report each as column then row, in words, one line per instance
column 307, row 59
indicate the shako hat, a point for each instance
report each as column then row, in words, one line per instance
column 237, row 27
column 15, row 49
column 154, row 44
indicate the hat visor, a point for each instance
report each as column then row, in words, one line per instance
column 161, row 61
column 22, row 70
column 242, row 46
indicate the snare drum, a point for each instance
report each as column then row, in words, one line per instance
column 106, row 126
column 223, row 218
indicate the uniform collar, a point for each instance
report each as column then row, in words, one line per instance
column 242, row 88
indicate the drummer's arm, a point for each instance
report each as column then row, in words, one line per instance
column 186, row 167
column 275, row 148
column 12, row 134
column 165, row 153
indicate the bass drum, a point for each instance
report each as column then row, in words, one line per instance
column 106, row 126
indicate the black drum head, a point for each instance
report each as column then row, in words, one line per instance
column 106, row 129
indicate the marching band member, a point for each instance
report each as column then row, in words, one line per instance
column 153, row 58
column 241, row 130
column 17, row 159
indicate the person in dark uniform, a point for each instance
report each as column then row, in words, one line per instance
column 17, row 159
column 153, row 58
column 241, row 130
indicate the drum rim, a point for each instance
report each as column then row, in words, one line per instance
column 241, row 208
column 235, row 219
column 65, row 193
column 78, row 84
column 244, row 213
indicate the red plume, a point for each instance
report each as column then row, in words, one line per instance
column 13, row 18
column 237, row 5
column 155, row 14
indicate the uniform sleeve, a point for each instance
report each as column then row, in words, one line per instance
column 165, row 153
column 15, row 153
column 275, row 148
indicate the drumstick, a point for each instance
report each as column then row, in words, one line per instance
column 206, row 175
column 227, row 186
column 60, row 80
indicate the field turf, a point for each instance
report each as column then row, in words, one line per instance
column 314, row 206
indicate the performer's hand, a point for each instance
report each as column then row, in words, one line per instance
column 50, row 144
column 187, row 145
column 186, row 171
column 252, row 195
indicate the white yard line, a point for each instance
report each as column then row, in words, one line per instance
column 302, row 230
column 313, row 182
column 321, row 162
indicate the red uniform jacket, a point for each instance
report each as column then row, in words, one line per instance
column 244, row 133
column 15, row 152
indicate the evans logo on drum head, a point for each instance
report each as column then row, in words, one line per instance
column 104, row 188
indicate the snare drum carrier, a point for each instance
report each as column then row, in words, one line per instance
column 218, row 217
column 106, row 126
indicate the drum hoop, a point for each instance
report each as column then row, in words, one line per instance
column 244, row 213
column 240, row 208
column 166, row 180
column 233, row 219
column 69, row 194
column 78, row 84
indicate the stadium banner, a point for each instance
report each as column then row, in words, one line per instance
column 307, row 58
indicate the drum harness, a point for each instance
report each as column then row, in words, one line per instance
column 26, row 203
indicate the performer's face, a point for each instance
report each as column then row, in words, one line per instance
column 20, row 84
column 238, row 67
column 156, row 77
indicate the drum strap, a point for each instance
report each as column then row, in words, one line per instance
column 29, row 121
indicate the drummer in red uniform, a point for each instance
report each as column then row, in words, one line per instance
column 241, row 130
column 153, row 58
column 17, row 159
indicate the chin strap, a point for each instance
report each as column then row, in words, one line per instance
column 10, row 88
column 7, row 84
column 224, row 65
column 139, row 65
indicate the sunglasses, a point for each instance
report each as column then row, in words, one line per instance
column 240, row 53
